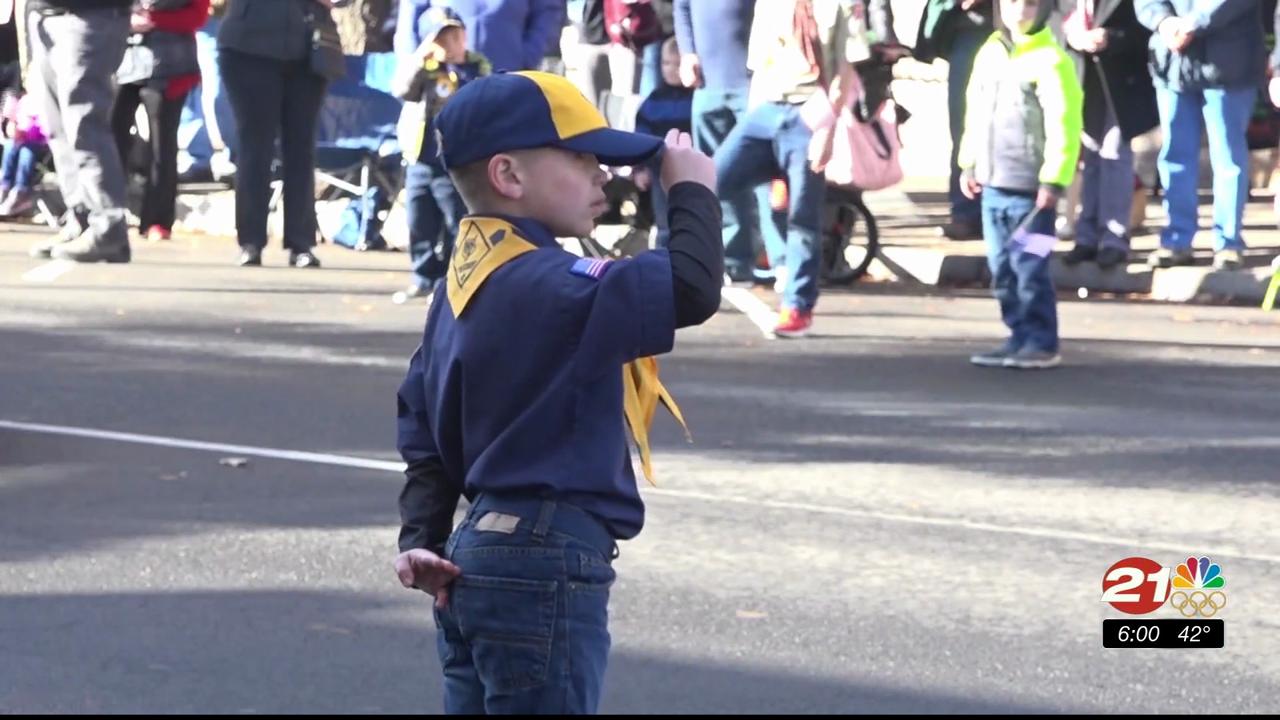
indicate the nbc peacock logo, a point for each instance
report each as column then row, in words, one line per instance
column 1198, row 588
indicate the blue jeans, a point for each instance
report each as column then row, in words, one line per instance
column 1183, row 116
column 771, row 141
column 716, row 112
column 959, row 67
column 1020, row 280
column 434, row 210
column 19, row 165
column 526, row 630
column 193, row 132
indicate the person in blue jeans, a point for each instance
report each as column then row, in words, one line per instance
column 207, row 139
column 425, row 80
column 1208, row 59
column 713, row 38
column 26, row 145
column 792, row 53
column 954, row 30
column 1019, row 151
column 531, row 382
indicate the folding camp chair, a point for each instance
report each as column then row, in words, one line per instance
column 356, row 146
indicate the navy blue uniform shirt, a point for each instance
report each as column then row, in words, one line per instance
column 524, row 391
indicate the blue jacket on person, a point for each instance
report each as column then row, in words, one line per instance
column 1227, row 49
column 512, row 34
column 717, row 32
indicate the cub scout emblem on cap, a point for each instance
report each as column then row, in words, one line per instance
column 590, row 267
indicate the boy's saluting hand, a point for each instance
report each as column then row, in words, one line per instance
column 428, row 572
column 682, row 163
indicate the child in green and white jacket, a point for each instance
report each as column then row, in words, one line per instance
column 1019, row 151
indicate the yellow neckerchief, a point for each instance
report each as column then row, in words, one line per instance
column 485, row 244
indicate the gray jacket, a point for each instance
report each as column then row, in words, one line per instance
column 1227, row 51
column 277, row 29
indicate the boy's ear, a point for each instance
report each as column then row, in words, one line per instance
column 505, row 176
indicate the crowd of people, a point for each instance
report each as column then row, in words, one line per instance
column 230, row 85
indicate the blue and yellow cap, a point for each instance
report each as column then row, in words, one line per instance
column 525, row 110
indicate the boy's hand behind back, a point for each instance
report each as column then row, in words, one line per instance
column 428, row 572
column 682, row 163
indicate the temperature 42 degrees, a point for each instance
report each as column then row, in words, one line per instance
column 1136, row 586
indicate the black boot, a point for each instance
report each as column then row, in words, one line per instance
column 250, row 257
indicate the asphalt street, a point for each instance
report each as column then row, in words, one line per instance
column 863, row 523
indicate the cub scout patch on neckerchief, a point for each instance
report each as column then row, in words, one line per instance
column 593, row 268
column 484, row 244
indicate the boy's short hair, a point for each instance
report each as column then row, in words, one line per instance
column 472, row 183
column 671, row 46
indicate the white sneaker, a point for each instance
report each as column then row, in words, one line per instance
column 221, row 166
column 6, row 204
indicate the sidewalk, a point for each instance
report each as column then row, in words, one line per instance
column 913, row 252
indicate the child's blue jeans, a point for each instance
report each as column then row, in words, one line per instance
column 1019, row 279
column 19, row 165
column 434, row 210
column 526, row 627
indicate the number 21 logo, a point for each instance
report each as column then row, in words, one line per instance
column 1136, row 585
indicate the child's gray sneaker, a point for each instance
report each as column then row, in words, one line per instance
column 994, row 358
column 1028, row 359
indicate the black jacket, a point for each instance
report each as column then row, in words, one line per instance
column 277, row 29
column 943, row 20
column 876, row 76
column 1118, row 75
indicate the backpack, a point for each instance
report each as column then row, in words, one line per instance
column 632, row 23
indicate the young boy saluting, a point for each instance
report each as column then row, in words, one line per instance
column 533, row 366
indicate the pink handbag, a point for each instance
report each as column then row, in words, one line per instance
column 864, row 155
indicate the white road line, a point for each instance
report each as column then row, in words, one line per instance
column 295, row 455
column 397, row 467
column 49, row 271
column 1044, row 533
column 753, row 307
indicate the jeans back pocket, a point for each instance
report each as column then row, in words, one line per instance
column 508, row 624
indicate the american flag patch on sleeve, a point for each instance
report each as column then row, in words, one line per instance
column 590, row 267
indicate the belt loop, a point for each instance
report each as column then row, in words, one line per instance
column 473, row 511
column 545, row 513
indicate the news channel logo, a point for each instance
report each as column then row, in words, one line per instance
column 1140, row 586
